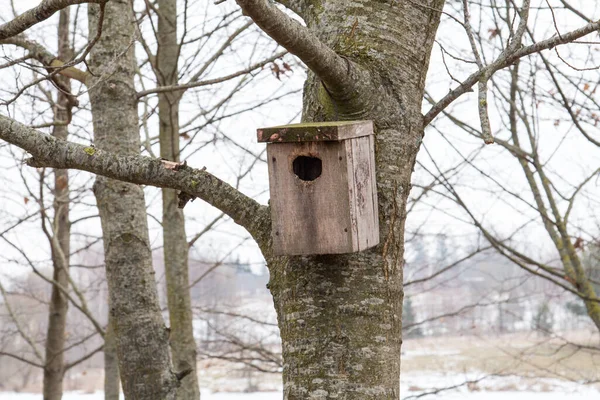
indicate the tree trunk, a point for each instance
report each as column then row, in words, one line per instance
column 340, row 315
column 183, row 345
column 140, row 334
column 54, row 368
column 111, row 365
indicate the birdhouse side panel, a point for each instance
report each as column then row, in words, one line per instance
column 363, row 192
column 309, row 216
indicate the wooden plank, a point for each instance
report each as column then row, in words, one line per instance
column 309, row 217
column 315, row 131
column 352, row 198
column 375, row 203
column 365, row 192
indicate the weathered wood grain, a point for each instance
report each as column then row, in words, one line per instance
column 309, row 217
column 333, row 214
column 315, row 131
column 363, row 197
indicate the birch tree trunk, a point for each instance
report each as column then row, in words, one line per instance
column 183, row 345
column 140, row 334
column 54, row 368
column 340, row 315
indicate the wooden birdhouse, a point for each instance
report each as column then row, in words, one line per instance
column 323, row 188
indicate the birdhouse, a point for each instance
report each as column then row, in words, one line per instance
column 323, row 188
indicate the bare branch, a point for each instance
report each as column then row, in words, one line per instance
column 48, row 151
column 518, row 37
column 448, row 267
column 53, row 64
column 503, row 61
column 193, row 83
column 22, row 333
column 482, row 89
column 22, row 359
column 84, row 358
column 331, row 68
column 206, row 229
column 38, row 14
column 42, row 55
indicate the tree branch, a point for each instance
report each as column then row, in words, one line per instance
column 503, row 61
column 84, row 358
column 482, row 89
column 22, row 333
column 47, row 59
column 333, row 70
column 195, row 83
column 22, row 359
column 38, row 14
column 48, row 151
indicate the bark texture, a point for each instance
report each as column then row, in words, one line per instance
column 183, row 345
column 112, row 385
column 340, row 315
column 140, row 334
column 54, row 368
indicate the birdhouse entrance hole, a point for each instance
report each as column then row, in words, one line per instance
column 307, row 168
column 323, row 187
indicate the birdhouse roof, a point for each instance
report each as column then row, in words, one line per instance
column 315, row 131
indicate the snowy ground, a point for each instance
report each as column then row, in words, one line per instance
column 479, row 386
column 583, row 395
column 463, row 368
column 100, row 396
column 468, row 387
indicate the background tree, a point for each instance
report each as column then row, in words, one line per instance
column 55, row 223
column 408, row 319
column 545, row 106
column 60, row 236
column 543, row 321
column 140, row 334
column 333, row 308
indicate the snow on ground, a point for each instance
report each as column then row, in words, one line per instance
column 100, row 396
column 480, row 388
column 428, row 384
column 582, row 395
column 513, row 396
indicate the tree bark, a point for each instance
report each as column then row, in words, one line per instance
column 140, row 334
column 111, row 365
column 183, row 345
column 54, row 368
column 340, row 315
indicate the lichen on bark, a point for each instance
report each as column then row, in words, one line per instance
column 340, row 315
column 140, row 335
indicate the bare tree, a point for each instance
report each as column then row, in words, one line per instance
column 544, row 104
column 175, row 242
column 56, row 226
column 60, row 236
column 142, row 340
column 339, row 315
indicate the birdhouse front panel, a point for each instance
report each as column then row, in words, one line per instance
column 323, row 192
